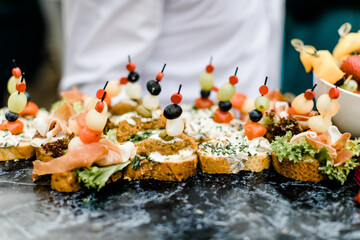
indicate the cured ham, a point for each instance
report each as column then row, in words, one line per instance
column 64, row 112
column 102, row 153
column 342, row 156
column 74, row 95
column 331, row 140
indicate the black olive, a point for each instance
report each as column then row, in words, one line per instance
column 11, row 117
column 172, row 111
column 225, row 106
column 255, row 115
column 153, row 87
column 133, row 77
column 340, row 82
column 28, row 97
column 205, row 94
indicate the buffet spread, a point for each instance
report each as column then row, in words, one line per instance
column 87, row 142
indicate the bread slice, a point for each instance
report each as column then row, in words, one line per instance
column 123, row 107
column 22, row 151
column 306, row 170
column 42, row 155
column 226, row 155
column 134, row 123
column 220, row 165
column 163, row 171
column 67, row 181
column 173, row 160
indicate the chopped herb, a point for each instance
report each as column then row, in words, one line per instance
column 141, row 136
column 135, row 162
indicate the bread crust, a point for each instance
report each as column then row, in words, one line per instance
column 17, row 152
column 126, row 130
column 220, row 165
column 65, row 182
column 122, row 108
column 42, row 155
column 162, row 171
column 303, row 170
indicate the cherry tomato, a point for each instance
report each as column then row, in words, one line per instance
column 254, row 130
column 203, row 103
column 31, row 109
column 238, row 100
column 15, row 127
column 222, row 117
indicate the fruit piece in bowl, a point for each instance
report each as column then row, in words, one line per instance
column 347, row 119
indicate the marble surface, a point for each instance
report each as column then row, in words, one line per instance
column 243, row 206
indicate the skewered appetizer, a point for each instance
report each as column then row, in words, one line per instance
column 322, row 63
column 90, row 160
column 167, row 155
column 253, row 129
column 225, row 93
column 15, row 136
column 206, row 81
column 132, row 89
column 294, row 119
column 146, row 117
column 320, row 153
column 202, row 127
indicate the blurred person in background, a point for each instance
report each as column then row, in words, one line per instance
column 99, row 35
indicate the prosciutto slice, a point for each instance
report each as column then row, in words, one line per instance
column 102, row 153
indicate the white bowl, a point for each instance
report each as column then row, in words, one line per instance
column 348, row 117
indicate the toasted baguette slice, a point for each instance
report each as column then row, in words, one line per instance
column 306, row 170
column 220, row 165
column 131, row 123
column 163, row 171
column 173, row 160
column 123, row 107
column 42, row 155
column 23, row 151
column 67, row 181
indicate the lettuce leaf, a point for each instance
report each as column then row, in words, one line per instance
column 354, row 145
column 296, row 152
column 339, row 173
column 323, row 155
column 78, row 107
column 293, row 151
column 111, row 135
column 96, row 177
column 57, row 104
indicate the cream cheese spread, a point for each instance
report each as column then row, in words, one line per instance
column 236, row 149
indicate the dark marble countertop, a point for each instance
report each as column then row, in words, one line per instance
column 243, row 206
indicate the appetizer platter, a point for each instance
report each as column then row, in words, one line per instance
column 223, row 166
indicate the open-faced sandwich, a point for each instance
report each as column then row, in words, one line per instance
column 15, row 132
column 234, row 154
column 167, row 155
column 320, row 153
column 89, row 160
column 203, row 124
column 146, row 117
column 246, row 150
column 132, row 89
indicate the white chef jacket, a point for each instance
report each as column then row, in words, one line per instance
column 99, row 36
